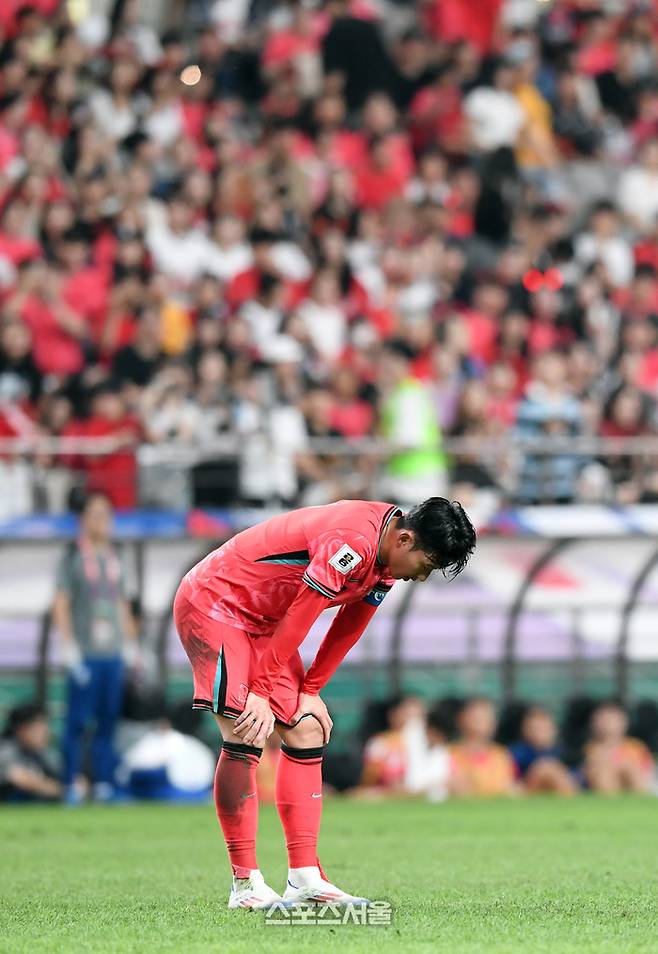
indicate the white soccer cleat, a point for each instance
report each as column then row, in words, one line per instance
column 252, row 893
column 308, row 886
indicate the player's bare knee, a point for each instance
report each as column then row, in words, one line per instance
column 307, row 734
column 226, row 729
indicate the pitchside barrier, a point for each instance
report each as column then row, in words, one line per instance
column 557, row 601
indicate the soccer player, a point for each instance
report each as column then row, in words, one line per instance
column 242, row 613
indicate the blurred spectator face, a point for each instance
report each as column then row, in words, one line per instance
column 605, row 223
column 212, row 368
column 501, row 380
column 644, row 288
column 318, row 406
column 180, row 215
column 65, row 87
column 649, row 156
column 379, row 115
column 34, row 735
column 97, row 519
column 326, row 290
column 72, row 254
column 15, row 340
column 346, row 384
column 330, row 112
column 58, row 218
column 210, row 46
column 609, row 724
column 550, row 370
column 474, row 401
column 238, row 335
column 393, row 368
column 130, row 253
column 628, row 410
column 409, row 709
column 230, row 231
column 33, row 277
column 57, row 413
column 538, row 729
column 13, row 221
column 546, row 304
column 477, row 721
column 504, row 78
column 35, row 188
column 14, row 75
column 490, row 298
column 209, row 333
column 139, row 180
column 638, row 335
column 124, row 76
column 108, row 405
column 432, row 167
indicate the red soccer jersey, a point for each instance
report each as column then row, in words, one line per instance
column 251, row 580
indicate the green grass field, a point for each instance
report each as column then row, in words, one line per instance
column 488, row 877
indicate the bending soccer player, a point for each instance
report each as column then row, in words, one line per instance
column 242, row 613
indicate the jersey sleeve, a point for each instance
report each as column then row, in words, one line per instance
column 337, row 556
column 379, row 591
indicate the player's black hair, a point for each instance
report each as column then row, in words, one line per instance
column 443, row 531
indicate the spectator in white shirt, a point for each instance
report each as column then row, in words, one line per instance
column 264, row 313
column 638, row 189
column 230, row 254
column 115, row 111
column 604, row 243
column 179, row 249
column 494, row 113
column 323, row 316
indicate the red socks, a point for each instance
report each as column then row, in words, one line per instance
column 299, row 802
column 236, row 803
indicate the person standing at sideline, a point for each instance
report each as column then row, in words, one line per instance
column 98, row 636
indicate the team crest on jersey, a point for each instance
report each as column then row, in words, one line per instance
column 345, row 559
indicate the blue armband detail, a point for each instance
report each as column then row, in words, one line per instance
column 375, row 596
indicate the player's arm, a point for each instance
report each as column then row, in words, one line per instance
column 256, row 721
column 334, row 556
column 346, row 629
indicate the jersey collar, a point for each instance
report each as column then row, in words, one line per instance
column 393, row 512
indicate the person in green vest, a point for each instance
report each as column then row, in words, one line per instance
column 418, row 468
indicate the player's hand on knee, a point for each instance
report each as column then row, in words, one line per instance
column 256, row 722
column 313, row 705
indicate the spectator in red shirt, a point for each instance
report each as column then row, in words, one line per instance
column 115, row 473
column 59, row 333
column 379, row 180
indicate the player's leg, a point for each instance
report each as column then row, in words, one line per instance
column 236, row 804
column 220, row 657
column 299, row 793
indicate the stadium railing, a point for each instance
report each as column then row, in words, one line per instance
column 198, row 473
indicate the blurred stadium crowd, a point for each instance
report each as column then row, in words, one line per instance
column 459, row 748
column 412, row 220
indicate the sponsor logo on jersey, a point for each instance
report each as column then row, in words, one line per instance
column 345, row 559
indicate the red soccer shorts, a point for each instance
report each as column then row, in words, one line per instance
column 224, row 659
